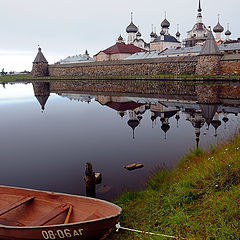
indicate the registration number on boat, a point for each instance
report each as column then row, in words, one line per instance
column 65, row 233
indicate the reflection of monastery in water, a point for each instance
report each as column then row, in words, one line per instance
column 164, row 108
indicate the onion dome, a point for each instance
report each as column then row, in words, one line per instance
column 152, row 34
column 131, row 28
column 228, row 33
column 120, row 38
column 178, row 34
column 165, row 23
column 218, row 28
column 162, row 32
column 155, row 35
column 139, row 34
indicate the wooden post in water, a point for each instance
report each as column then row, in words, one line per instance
column 90, row 181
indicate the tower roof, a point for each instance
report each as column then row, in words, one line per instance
column 210, row 46
column 40, row 57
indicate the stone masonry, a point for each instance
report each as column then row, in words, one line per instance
column 179, row 65
column 40, row 70
column 204, row 65
column 208, row 65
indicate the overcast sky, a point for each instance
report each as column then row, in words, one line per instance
column 69, row 27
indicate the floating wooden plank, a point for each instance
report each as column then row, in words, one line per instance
column 51, row 215
column 15, row 204
column 134, row 166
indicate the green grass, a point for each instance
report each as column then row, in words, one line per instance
column 130, row 77
column 12, row 78
column 200, row 199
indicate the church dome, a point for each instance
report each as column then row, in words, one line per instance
column 162, row 32
column 152, row 34
column 165, row 23
column 131, row 28
column 218, row 28
column 228, row 33
column 120, row 38
column 178, row 34
column 139, row 34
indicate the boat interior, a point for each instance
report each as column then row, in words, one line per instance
column 23, row 207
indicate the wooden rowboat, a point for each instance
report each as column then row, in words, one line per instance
column 38, row 215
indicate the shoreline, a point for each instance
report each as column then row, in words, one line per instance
column 147, row 78
column 197, row 200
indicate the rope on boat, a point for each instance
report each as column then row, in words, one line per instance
column 138, row 231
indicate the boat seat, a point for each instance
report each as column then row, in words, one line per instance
column 15, row 204
column 51, row 215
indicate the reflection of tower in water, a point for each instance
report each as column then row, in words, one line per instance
column 216, row 123
column 165, row 126
column 177, row 117
column 41, row 92
column 133, row 121
column 197, row 120
column 198, row 123
column 208, row 112
column 225, row 120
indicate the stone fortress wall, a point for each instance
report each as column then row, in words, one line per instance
column 174, row 65
column 226, row 65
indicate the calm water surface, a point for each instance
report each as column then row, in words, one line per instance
column 47, row 149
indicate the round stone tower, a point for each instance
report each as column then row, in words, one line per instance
column 40, row 65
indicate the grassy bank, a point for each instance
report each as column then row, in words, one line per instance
column 12, row 78
column 200, row 199
column 182, row 77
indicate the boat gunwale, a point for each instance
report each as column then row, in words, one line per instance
column 62, row 224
